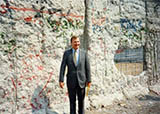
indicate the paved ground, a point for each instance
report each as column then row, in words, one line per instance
column 149, row 104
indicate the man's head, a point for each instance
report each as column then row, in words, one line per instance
column 75, row 42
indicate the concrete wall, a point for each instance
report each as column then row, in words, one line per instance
column 34, row 35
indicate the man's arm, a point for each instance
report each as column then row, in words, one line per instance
column 62, row 70
column 88, row 71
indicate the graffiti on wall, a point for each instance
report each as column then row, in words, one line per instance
column 27, row 72
column 132, row 29
column 65, row 23
column 27, row 75
column 7, row 45
column 132, row 25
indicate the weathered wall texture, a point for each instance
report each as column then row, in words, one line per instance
column 153, row 40
column 34, row 35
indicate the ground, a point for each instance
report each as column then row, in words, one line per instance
column 148, row 104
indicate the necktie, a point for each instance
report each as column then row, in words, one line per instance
column 75, row 57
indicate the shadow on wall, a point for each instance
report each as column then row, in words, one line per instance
column 40, row 102
column 150, row 98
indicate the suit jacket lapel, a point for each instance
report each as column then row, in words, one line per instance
column 79, row 57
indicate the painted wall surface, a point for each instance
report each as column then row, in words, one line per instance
column 34, row 35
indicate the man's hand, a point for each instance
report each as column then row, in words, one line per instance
column 88, row 84
column 61, row 84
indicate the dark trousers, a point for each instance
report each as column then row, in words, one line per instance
column 80, row 93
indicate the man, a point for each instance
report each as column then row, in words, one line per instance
column 78, row 75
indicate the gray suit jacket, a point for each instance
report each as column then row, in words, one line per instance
column 81, row 72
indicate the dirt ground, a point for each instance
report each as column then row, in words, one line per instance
column 149, row 104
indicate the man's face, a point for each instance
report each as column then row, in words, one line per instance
column 75, row 43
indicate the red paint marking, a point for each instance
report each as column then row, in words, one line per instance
column 76, row 16
column 41, row 51
column 46, row 83
column 49, row 91
column 12, row 89
column 34, row 20
column 21, row 76
column 103, row 19
column 40, row 67
column 54, row 53
column 98, row 21
column 119, row 50
column 40, row 106
column 104, row 8
column 3, row 12
column 29, row 78
column 34, row 107
column 37, row 55
column 101, row 42
column 33, row 10
column 11, row 66
column 13, row 83
column 36, row 100
column 20, row 83
column 23, row 97
column 25, row 70
column 28, row 19
column 34, row 77
column 103, row 46
column 40, row 22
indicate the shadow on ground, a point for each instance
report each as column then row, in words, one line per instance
column 149, row 97
column 40, row 102
column 151, row 104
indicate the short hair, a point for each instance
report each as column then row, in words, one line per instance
column 73, row 37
